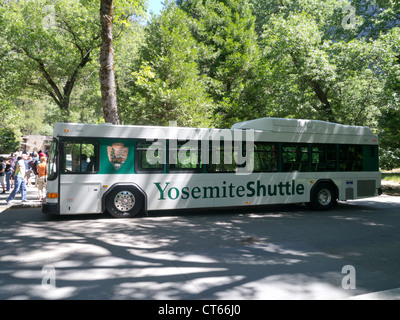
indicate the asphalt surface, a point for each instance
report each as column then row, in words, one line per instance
column 274, row 252
column 32, row 197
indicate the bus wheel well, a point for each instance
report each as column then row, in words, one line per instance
column 323, row 195
column 124, row 200
column 328, row 181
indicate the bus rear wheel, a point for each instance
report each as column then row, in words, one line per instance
column 124, row 202
column 323, row 197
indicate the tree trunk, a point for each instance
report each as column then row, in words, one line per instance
column 106, row 72
column 321, row 95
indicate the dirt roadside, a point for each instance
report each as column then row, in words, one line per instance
column 390, row 188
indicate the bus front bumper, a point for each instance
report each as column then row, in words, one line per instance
column 50, row 208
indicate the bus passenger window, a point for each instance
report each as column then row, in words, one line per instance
column 80, row 157
column 150, row 156
column 265, row 157
column 222, row 158
column 185, row 156
column 295, row 158
column 350, row 158
column 323, row 158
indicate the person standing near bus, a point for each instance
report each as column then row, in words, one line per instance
column 19, row 182
column 3, row 175
column 9, row 171
column 42, row 175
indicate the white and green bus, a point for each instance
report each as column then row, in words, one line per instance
column 127, row 170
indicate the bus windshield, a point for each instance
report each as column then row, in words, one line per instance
column 52, row 166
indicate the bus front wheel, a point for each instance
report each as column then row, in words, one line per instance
column 124, row 202
column 323, row 197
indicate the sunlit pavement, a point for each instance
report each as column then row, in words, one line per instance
column 283, row 252
column 32, row 197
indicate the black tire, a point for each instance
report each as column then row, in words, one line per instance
column 124, row 201
column 323, row 197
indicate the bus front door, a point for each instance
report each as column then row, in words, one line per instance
column 77, row 198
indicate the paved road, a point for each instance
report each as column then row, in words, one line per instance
column 277, row 252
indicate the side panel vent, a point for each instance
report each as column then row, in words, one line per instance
column 366, row 188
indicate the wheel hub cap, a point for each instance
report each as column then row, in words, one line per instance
column 324, row 197
column 124, row 201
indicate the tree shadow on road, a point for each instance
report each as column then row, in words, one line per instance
column 256, row 254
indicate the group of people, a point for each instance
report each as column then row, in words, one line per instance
column 16, row 172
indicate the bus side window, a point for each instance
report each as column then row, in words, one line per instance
column 295, row 158
column 222, row 158
column 185, row 156
column 80, row 157
column 350, row 158
column 323, row 158
column 150, row 156
column 265, row 157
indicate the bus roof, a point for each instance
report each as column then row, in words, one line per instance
column 301, row 126
column 265, row 129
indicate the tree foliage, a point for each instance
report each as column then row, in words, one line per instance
column 54, row 42
column 210, row 62
column 224, row 31
column 166, row 84
column 314, row 77
column 9, row 140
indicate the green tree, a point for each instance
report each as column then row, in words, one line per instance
column 332, row 60
column 313, row 75
column 228, row 55
column 389, row 134
column 389, row 120
column 166, row 85
column 379, row 21
column 9, row 140
column 376, row 17
column 54, row 41
column 326, row 14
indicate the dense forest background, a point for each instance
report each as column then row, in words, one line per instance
column 207, row 63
